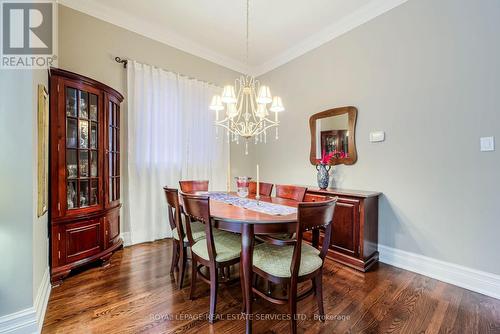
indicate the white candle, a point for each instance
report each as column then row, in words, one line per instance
column 228, row 181
column 257, row 194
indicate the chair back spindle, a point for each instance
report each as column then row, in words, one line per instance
column 295, row 193
column 174, row 210
column 189, row 186
column 197, row 207
column 265, row 189
column 312, row 216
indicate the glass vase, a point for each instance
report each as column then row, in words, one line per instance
column 242, row 185
column 323, row 175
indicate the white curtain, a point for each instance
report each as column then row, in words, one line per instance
column 171, row 136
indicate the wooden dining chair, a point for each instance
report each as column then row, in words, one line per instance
column 180, row 241
column 297, row 261
column 295, row 193
column 265, row 189
column 309, row 235
column 217, row 252
column 281, row 239
column 189, row 186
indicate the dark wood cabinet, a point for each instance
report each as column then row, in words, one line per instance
column 84, row 172
column 355, row 227
column 81, row 240
column 112, row 228
column 346, row 228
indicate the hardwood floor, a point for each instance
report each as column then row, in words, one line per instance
column 136, row 294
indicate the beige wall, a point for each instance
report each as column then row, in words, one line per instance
column 428, row 74
column 23, row 236
column 40, row 233
column 16, row 180
column 88, row 46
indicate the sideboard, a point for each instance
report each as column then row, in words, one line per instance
column 355, row 226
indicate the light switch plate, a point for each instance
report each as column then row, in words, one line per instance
column 487, row 144
column 377, row 136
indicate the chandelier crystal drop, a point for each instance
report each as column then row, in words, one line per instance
column 247, row 107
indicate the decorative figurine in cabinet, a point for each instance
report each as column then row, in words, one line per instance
column 84, row 172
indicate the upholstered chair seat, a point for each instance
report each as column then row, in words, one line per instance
column 227, row 246
column 197, row 230
column 276, row 260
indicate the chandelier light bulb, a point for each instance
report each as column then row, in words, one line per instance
column 264, row 95
column 277, row 105
column 228, row 95
column 216, row 103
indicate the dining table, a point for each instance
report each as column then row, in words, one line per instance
column 249, row 223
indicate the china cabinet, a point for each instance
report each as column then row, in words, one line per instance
column 84, row 172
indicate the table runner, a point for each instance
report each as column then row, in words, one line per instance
column 251, row 204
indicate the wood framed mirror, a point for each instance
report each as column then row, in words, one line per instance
column 334, row 130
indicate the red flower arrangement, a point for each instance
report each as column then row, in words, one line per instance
column 326, row 158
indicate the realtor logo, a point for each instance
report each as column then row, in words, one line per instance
column 27, row 34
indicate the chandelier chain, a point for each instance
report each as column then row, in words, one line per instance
column 248, row 24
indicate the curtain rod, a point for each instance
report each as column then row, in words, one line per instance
column 124, row 61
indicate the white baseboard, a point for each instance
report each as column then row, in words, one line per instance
column 30, row 320
column 471, row 279
column 42, row 299
column 126, row 239
column 21, row 322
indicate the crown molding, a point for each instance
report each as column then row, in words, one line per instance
column 346, row 24
column 142, row 27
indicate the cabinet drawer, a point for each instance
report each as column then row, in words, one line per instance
column 82, row 240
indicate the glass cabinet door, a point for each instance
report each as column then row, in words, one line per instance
column 82, row 148
column 113, row 159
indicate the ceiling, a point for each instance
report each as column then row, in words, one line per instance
column 280, row 30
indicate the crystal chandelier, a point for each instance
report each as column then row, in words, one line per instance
column 246, row 112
